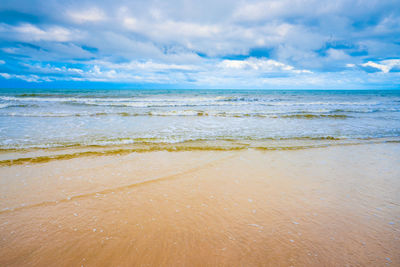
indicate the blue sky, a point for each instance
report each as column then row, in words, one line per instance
column 280, row 44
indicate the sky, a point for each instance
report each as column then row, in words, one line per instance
column 273, row 44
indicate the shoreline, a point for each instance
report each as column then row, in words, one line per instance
column 33, row 155
column 334, row 205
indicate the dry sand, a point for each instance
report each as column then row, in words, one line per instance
column 332, row 206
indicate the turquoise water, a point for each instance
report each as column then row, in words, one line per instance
column 53, row 118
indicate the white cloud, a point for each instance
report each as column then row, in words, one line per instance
column 27, row 78
column 391, row 63
column 223, row 71
column 185, row 33
column 49, row 69
column 280, row 9
column 381, row 67
column 261, row 65
column 385, row 65
column 2, row 62
column 152, row 66
column 29, row 32
column 218, row 38
column 336, row 54
column 88, row 15
column 5, row 75
column 131, row 23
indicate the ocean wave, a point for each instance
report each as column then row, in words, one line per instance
column 157, row 104
column 113, row 148
column 315, row 116
column 66, row 98
column 62, row 99
column 10, row 105
column 42, row 95
column 176, row 101
column 368, row 110
column 49, row 114
column 321, row 103
column 249, row 141
column 126, row 102
column 182, row 113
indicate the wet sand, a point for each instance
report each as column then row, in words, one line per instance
column 330, row 206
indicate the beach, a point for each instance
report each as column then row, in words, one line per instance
column 199, row 133
column 335, row 205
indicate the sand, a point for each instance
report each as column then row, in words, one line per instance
column 330, row 206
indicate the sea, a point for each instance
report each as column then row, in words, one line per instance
column 45, row 118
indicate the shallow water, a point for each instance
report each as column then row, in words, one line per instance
column 110, row 117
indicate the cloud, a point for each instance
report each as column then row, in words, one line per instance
column 261, row 65
column 31, row 33
column 222, row 43
column 27, row 78
column 384, row 66
column 88, row 15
